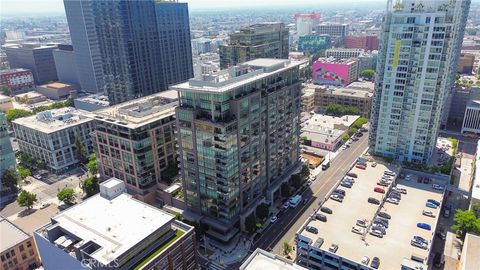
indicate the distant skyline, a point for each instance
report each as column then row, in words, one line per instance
column 10, row 7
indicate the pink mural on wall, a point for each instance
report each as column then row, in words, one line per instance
column 330, row 73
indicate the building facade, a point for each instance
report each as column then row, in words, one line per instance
column 78, row 238
column 64, row 58
column 471, row 121
column 332, row 29
column 5, row 103
column 338, row 72
column 343, row 53
column 466, row 63
column 367, row 43
column 7, row 156
column 419, row 51
column 50, row 136
column 238, row 136
column 17, row 248
column 345, row 96
column 35, row 57
column 18, row 80
column 306, row 23
column 263, row 40
column 311, row 44
column 135, row 142
column 147, row 51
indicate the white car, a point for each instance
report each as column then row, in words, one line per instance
column 358, row 230
column 44, row 205
column 408, row 177
column 344, row 147
column 365, row 260
column 374, row 164
column 273, row 219
column 437, row 187
column 400, row 190
column 428, row 213
column 393, row 200
column 286, row 205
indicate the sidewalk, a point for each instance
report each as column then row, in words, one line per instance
column 227, row 254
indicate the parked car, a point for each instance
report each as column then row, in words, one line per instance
column 375, row 263
column 333, row 248
column 360, row 166
column 273, row 219
column 392, row 200
column 441, row 235
column 358, row 230
column 437, row 203
column 383, row 183
column 384, row 222
column 437, row 187
column 428, row 213
column 374, row 164
column 387, row 172
column 362, row 223
column 336, row 197
column 373, row 201
column 352, row 174
column 420, row 239
column 346, row 184
column 44, row 205
column 340, row 191
column 380, row 229
column 365, row 260
column 418, row 244
column 384, row 215
column 431, row 205
column 446, row 213
column 286, row 205
column 400, row 190
column 326, row 210
column 311, row 229
column 379, row 190
column 376, row 233
column 395, row 195
column 424, row 226
column 321, row 217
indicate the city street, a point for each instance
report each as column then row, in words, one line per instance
column 291, row 221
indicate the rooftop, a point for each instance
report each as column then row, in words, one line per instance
column 473, row 104
column 319, row 121
column 228, row 79
column 140, row 111
column 56, row 85
column 394, row 247
column 13, row 70
column 54, row 120
column 99, row 99
column 470, row 258
column 333, row 60
column 111, row 231
column 11, row 234
column 476, row 176
column 263, row 260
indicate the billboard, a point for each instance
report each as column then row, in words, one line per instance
column 330, row 73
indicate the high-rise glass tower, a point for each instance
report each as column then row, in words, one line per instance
column 130, row 48
column 238, row 135
column 7, row 156
column 419, row 50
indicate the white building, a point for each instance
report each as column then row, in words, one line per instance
column 263, row 260
column 416, row 70
column 471, row 120
column 343, row 53
column 305, row 23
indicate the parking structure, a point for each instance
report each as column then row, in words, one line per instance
column 394, row 249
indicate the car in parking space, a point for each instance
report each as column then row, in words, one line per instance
column 333, row 248
column 326, row 210
column 321, row 217
column 384, row 215
column 400, row 190
column 428, row 213
column 365, row 260
column 376, row 233
column 346, row 184
column 431, row 205
column 387, row 172
column 420, row 239
column 352, row 174
column 384, row 222
column 309, row 182
column 361, row 166
column 286, row 205
column 380, row 229
column 418, row 244
column 408, row 177
column 375, row 263
column 374, row 164
column 379, row 190
column 336, row 197
column 437, row 187
column 395, row 195
column 311, row 229
column 392, row 200
column 424, row 226
column 344, row 147
column 273, row 219
column 383, row 183
column 362, row 223
column 358, row 230
column 441, row 235
column 446, row 213
column 44, row 205
column 373, row 201
column 340, row 191
column 349, row 179
column 437, row 203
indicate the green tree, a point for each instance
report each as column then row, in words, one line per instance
column 66, row 195
column 305, row 172
column 285, row 190
column 92, row 165
column 250, row 224
column 476, row 209
column 13, row 114
column 6, row 90
column 10, row 180
column 26, row 199
column 262, row 211
column 345, row 137
column 340, row 110
column 80, row 152
column 359, row 122
column 23, row 172
column 368, row 74
column 471, row 31
column 90, row 186
column 287, row 248
column 296, row 181
column 466, row 222
column 352, row 131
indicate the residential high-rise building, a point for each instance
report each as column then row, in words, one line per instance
column 135, row 142
column 238, row 133
column 332, row 29
column 263, row 40
column 128, row 234
column 419, row 50
column 35, row 57
column 306, row 23
column 50, row 136
column 147, row 50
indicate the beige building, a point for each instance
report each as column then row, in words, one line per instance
column 308, row 99
column 356, row 95
column 30, row 98
column 470, row 251
column 17, row 248
column 5, row 103
column 56, row 90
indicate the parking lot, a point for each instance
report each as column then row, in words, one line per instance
column 395, row 245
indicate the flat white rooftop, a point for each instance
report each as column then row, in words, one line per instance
column 322, row 121
column 116, row 225
column 54, row 120
column 262, row 260
column 476, row 176
column 11, row 235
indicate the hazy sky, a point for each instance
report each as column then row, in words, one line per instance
column 50, row 6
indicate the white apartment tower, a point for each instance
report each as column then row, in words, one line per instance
column 419, row 50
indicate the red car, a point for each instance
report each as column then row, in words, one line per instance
column 379, row 190
column 360, row 166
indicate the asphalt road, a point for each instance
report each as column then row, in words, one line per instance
column 290, row 222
